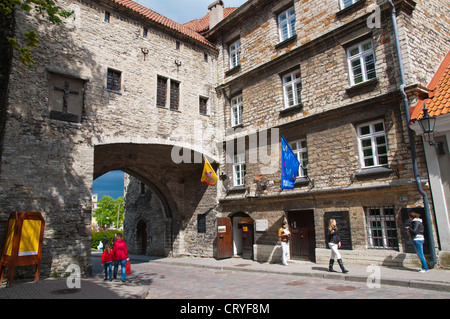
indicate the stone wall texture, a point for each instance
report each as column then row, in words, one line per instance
column 49, row 164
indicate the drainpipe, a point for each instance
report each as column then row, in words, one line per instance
column 411, row 138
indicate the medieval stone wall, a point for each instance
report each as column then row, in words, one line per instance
column 50, row 156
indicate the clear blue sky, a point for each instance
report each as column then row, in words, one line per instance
column 180, row 11
column 183, row 11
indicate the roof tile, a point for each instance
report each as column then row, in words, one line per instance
column 438, row 102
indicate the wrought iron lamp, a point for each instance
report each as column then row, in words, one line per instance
column 427, row 124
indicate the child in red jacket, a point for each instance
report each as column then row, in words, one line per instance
column 107, row 260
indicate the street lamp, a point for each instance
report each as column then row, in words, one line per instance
column 427, row 124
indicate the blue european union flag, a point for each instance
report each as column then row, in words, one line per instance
column 289, row 165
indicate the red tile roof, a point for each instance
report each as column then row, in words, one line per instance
column 162, row 20
column 202, row 25
column 438, row 101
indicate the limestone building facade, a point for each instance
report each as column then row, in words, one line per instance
column 120, row 87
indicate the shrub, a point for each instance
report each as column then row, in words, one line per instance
column 97, row 236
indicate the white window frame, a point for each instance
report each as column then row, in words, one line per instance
column 286, row 24
column 300, row 150
column 237, row 108
column 235, row 54
column 381, row 228
column 239, row 170
column 347, row 3
column 365, row 57
column 372, row 151
column 292, row 87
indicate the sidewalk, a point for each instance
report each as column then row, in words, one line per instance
column 96, row 288
column 436, row 279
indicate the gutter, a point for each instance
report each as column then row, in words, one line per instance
column 411, row 138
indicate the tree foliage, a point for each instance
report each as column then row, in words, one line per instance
column 46, row 8
column 106, row 213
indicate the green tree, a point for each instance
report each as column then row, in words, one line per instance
column 106, row 213
column 47, row 8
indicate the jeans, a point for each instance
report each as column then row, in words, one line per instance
column 334, row 251
column 123, row 263
column 284, row 251
column 418, row 245
column 108, row 266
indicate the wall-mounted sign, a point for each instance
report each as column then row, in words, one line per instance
column 221, row 229
column 261, row 225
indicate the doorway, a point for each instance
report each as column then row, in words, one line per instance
column 303, row 243
column 141, row 238
column 243, row 235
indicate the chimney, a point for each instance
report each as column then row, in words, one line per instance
column 215, row 13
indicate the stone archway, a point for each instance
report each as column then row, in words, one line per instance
column 178, row 187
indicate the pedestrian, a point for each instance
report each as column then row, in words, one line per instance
column 416, row 232
column 100, row 246
column 334, row 242
column 104, row 241
column 120, row 256
column 107, row 260
column 285, row 235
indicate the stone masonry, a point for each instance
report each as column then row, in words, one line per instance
column 93, row 104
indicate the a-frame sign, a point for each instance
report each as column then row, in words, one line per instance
column 23, row 243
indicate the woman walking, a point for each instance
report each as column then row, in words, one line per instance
column 120, row 256
column 416, row 232
column 334, row 242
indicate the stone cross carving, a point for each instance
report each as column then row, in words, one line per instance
column 64, row 115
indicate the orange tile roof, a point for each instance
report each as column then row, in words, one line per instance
column 438, row 101
column 202, row 24
column 162, row 20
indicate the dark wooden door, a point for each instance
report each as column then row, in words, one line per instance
column 224, row 242
column 247, row 241
column 301, row 226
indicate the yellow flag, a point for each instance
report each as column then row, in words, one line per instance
column 209, row 176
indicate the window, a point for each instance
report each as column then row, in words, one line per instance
column 174, row 95
column 237, row 108
column 107, row 17
column 292, row 86
column 161, row 94
column 239, row 170
column 203, row 105
column 201, row 223
column 177, row 45
column 381, row 227
column 372, row 144
column 113, row 80
column 286, row 24
column 145, row 32
column 235, row 54
column 347, row 3
column 361, row 62
column 301, row 151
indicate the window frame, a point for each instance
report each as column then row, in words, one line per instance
column 363, row 64
column 174, row 99
column 237, row 110
column 234, row 51
column 344, row 6
column 206, row 106
column 386, row 228
column 158, row 91
column 239, row 167
column 295, row 84
column 301, row 152
column 111, row 84
column 288, row 23
column 373, row 135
